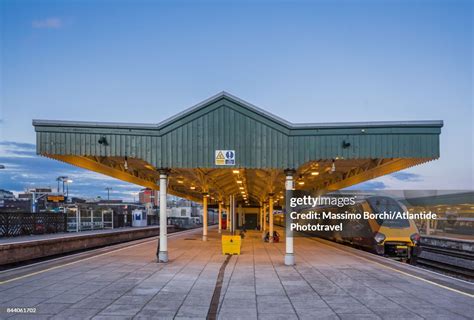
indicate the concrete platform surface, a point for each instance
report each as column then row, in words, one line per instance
column 61, row 235
column 325, row 284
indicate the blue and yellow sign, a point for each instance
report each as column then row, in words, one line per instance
column 225, row 157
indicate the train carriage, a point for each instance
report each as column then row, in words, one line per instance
column 395, row 238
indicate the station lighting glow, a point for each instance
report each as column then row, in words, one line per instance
column 235, row 171
column 239, row 181
column 314, row 173
column 149, row 167
column 241, row 188
column 192, row 187
column 180, row 181
column 301, row 183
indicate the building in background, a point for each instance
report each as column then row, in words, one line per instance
column 148, row 196
column 6, row 195
column 10, row 203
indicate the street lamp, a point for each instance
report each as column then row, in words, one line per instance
column 68, row 181
column 108, row 192
column 61, row 179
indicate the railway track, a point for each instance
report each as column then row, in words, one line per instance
column 454, row 262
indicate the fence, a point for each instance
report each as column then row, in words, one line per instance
column 14, row 224
column 20, row 224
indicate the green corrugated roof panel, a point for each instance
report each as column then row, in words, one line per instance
column 260, row 139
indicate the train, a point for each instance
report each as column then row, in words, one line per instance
column 396, row 238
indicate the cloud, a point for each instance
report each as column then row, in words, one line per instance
column 406, row 176
column 24, row 169
column 399, row 181
column 48, row 23
column 17, row 150
column 369, row 185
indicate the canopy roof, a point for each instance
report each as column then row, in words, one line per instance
column 264, row 145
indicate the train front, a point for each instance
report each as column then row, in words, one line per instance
column 397, row 238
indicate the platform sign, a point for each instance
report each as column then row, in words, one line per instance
column 225, row 157
column 55, row 198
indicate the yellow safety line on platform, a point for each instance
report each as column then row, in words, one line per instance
column 85, row 259
column 402, row 272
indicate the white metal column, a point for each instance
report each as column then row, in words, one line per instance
column 204, row 217
column 289, row 186
column 270, row 216
column 163, row 246
column 264, row 218
column 228, row 217
column 232, row 210
column 220, row 217
column 240, row 218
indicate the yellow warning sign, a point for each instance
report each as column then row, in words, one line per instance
column 220, row 158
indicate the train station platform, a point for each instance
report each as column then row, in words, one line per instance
column 325, row 283
column 24, row 248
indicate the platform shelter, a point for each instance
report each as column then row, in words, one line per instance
column 228, row 153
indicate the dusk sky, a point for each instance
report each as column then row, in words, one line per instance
column 306, row 61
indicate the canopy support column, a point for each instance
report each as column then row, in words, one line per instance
column 289, row 186
column 270, row 216
column 264, row 211
column 204, row 217
column 239, row 217
column 232, row 208
column 228, row 217
column 163, row 241
column 220, row 216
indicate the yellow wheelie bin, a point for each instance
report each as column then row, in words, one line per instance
column 231, row 244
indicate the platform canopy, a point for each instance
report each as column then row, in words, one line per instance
column 325, row 156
